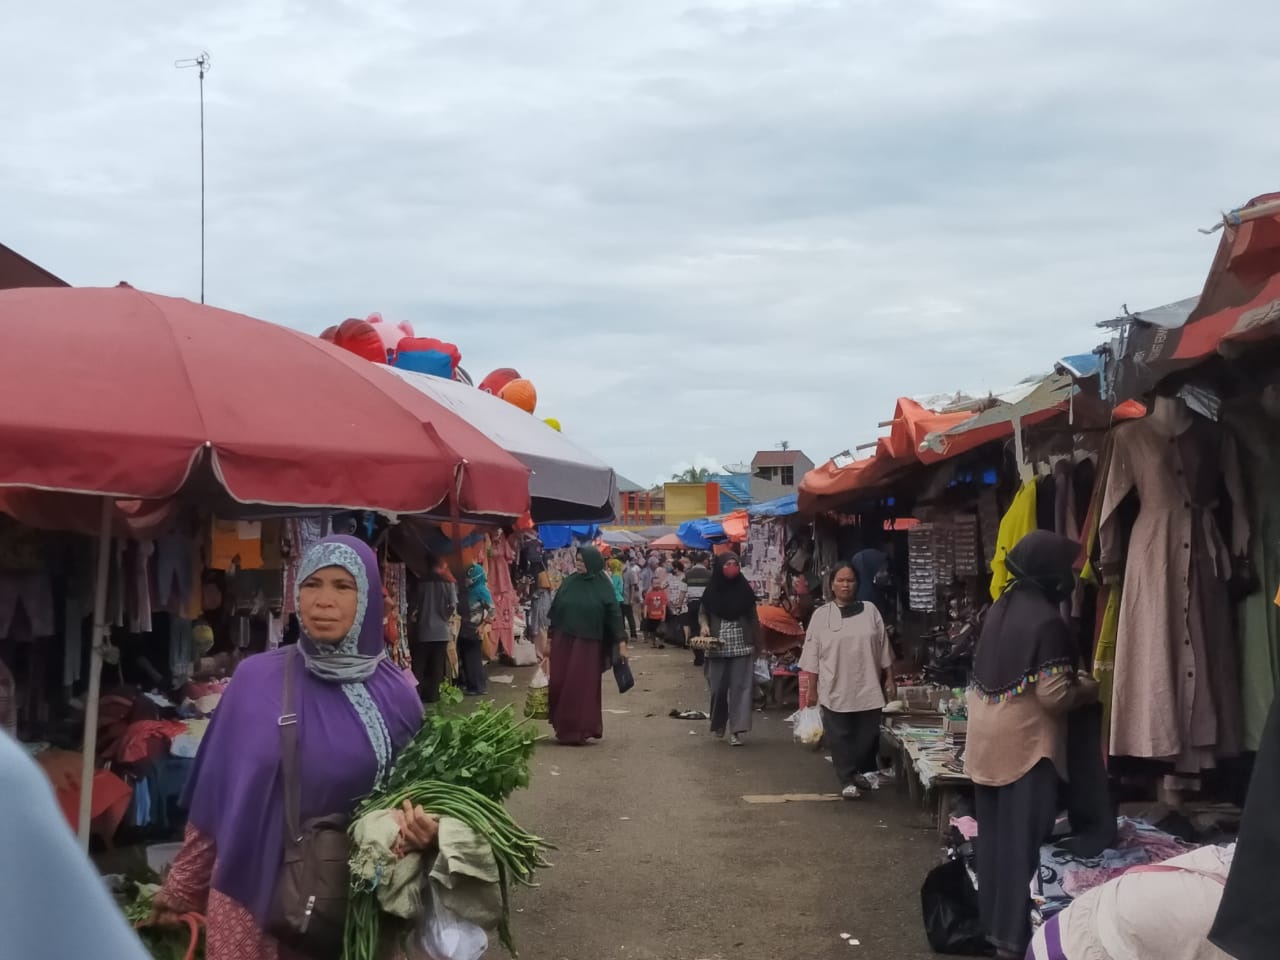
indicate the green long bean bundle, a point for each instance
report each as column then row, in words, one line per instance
column 460, row 767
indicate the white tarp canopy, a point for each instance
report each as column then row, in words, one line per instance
column 568, row 484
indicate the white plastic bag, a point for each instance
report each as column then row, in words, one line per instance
column 764, row 670
column 445, row 936
column 524, row 653
column 808, row 728
column 539, row 679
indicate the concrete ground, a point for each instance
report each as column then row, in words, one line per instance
column 660, row 858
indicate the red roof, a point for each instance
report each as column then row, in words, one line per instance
column 776, row 458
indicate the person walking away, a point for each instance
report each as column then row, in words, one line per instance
column 355, row 711
column 633, row 597
column 677, row 605
column 728, row 614
column 586, row 636
column 696, row 579
column 655, row 608
column 616, row 578
column 850, row 666
column 476, row 604
column 1025, row 682
column 434, row 601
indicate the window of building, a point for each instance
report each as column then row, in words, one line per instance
column 788, row 476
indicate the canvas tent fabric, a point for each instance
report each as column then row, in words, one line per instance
column 568, row 485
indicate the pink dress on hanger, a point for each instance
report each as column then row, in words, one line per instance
column 505, row 599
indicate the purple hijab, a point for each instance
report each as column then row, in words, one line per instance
column 236, row 793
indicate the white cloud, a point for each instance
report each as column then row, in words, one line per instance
column 698, row 227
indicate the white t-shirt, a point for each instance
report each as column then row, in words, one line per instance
column 848, row 654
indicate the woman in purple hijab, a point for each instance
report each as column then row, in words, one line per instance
column 355, row 711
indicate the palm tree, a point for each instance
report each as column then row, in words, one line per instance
column 692, row 475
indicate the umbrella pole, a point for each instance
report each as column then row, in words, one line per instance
column 97, row 639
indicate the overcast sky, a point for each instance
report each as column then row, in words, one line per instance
column 700, row 228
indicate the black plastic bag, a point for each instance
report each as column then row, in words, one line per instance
column 950, row 905
column 622, row 674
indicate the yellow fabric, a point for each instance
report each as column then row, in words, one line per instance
column 1017, row 523
column 1104, row 657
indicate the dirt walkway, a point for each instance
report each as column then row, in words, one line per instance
column 661, row 859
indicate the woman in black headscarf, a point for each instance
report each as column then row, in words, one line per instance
column 1025, row 681
column 728, row 614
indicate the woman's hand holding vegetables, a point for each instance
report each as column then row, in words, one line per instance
column 418, row 829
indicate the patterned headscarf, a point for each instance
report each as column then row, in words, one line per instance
column 350, row 662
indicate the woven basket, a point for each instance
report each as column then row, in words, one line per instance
column 703, row 643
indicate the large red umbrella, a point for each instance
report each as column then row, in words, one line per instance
column 121, row 392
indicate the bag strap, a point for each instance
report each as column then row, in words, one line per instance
column 288, row 724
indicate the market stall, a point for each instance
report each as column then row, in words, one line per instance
column 115, row 394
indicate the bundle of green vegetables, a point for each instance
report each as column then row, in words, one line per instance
column 459, row 766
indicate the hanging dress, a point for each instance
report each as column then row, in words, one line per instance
column 1177, row 686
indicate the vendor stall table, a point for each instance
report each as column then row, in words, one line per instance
column 924, row 764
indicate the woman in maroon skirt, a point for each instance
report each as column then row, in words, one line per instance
column 586, row 634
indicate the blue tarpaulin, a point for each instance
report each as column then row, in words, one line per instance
column 700, row 534
column 781, row 507
column 555, row 536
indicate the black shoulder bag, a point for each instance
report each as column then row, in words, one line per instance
column 309, row 912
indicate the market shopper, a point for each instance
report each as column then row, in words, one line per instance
column 696, row 579
column 677, row 605
column 540, row 608
column 1025, row 681
column 354, row 711
column 633, row 597
column 850, row 663
column 728, row 615
column 435, row 601
column 475, row 604
column 586, row 635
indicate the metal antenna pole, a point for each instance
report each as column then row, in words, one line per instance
column 203, row 63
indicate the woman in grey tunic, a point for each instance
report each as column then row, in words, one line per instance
column 728, row 614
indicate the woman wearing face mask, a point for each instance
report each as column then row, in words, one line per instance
column 354, row 712
column 1025, row 681
column 728, row 614
column 847, row 654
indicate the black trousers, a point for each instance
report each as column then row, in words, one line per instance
column 1013, row 821
column 471, row 663
column 429, row 663
column 854, row 739
column 629, row 619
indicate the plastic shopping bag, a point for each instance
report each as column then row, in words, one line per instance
column 446, row 936
column 537, row 702
column 808, row 728
column 524, row 653
column 763, row 670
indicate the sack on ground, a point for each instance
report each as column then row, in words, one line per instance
column 808, row 728
column 445, row 936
